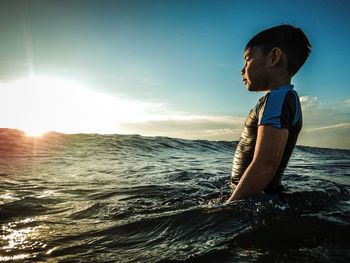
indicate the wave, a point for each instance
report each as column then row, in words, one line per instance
column 322, row 151
column 12, row 140
column 130, row 198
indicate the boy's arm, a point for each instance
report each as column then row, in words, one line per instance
column 269, row 148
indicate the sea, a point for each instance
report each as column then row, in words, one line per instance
column 130, row 198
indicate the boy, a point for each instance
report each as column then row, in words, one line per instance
column 270, row 132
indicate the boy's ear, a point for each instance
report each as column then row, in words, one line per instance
column 275, row 56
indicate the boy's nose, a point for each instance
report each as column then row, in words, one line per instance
column 242, row 71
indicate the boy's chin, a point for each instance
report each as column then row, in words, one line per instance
column 254, row 88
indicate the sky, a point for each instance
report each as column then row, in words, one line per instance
column 163, row 68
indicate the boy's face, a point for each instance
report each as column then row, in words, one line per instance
column 254, row 72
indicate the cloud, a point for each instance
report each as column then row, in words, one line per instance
column 151, row 83
column 337, row 126
column 188, row 126
column 309, row 102
column 346, row 103
column 324, row 126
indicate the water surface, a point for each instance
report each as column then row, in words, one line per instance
column 127, row 198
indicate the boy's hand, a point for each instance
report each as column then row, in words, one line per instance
column 268, row 153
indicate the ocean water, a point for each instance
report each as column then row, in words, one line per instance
column 128, row 198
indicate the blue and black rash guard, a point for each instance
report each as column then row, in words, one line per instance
column 279, row 108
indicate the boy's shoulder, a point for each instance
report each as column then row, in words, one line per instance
column 279, row 94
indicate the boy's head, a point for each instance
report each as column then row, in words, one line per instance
column 286, row 43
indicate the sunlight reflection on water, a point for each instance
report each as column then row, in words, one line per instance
column 11, row 258
column 17, row 237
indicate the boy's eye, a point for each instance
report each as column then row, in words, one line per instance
column 247, row 59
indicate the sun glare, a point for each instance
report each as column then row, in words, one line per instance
column 39, row 104
column 34, row 132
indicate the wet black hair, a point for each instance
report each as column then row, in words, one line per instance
column 289, row 39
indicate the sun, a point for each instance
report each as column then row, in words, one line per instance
column 33, row 132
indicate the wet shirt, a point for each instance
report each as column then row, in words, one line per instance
column 279, row 108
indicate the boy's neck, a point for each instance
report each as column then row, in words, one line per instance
column 276, row 83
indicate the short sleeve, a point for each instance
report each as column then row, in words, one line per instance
column 279, row 109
